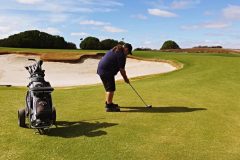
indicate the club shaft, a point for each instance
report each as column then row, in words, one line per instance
column 138, row 94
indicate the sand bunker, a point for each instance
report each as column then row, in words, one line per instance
column 12, row 71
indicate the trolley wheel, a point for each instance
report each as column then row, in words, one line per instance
column 21, row 117
column 54, row 116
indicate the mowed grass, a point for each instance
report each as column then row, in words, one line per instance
column 195, row 116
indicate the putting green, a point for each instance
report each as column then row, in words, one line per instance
column 195, row 116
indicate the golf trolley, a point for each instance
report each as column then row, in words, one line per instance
column 39, row 109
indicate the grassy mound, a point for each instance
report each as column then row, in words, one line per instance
column 195, row 116
column 55, row 55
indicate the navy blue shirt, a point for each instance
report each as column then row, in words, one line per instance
column 111, row 62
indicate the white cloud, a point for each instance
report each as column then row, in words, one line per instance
column 209, row 25
column 232, row 12
column 216, row 34
column 5, row 32
column 149, row 41
column 29, row 1
column 79, row 34
column 183, row 4
column 83, row 6
column 51, row 30
column 161, row 13
column 139, row 16
column 57, row 18
column 146, row 44
column 174, row 4
column 11, row 25
column 101, row 2
column 105, row 26
column 112, row 29
column 93, row 22
column 216, row 25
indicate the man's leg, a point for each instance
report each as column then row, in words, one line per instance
column 109, row 97
column 110, row 106
column 109, row 85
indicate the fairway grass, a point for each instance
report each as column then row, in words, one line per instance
column 195, row 116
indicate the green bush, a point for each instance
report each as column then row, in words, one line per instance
column 71, row 45
column 143, row 49
column 90, row 43
column 170, row 45
column 93, row 43
column 36, row 39
column 108, row 44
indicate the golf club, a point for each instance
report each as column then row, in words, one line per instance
column 148, row 106
column 31, row 59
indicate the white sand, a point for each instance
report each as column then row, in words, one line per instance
column 12, row 71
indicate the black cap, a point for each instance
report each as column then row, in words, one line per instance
column 129, row 47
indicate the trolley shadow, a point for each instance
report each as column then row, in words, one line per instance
column 67, row 129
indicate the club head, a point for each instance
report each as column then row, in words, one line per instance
column 149, row 106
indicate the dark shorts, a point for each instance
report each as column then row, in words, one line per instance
column 108, row 83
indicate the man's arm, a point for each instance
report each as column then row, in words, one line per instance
column 124, row 75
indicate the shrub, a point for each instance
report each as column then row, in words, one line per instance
column 143, row 49
column 108, row 44
column 208, row 47
column 170, row 45
column 71, row 45
column 91, row 43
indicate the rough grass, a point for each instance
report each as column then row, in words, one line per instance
column 51, row 54
column 204, row 50
column 195, row 116
column 41, row 51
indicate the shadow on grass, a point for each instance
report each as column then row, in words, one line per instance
column 76, row 129
column 169, row 109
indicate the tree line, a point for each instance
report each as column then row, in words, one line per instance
column 93, row 43
column 36, row 39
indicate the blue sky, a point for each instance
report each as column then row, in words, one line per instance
column 144, row 23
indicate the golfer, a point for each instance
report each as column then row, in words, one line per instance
column 108, row 67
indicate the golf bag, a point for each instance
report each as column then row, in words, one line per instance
column 39, row 108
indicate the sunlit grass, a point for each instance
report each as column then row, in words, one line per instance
column 195, row 115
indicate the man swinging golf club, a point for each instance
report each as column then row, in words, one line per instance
column 108, row 67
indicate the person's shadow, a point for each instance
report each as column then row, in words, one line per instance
column 67, row 129
column 169, row 109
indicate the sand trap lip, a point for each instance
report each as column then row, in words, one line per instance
column 12, row 71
